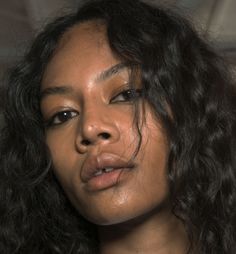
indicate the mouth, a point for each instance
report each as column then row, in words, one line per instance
column 103, row 171
column 99, row 172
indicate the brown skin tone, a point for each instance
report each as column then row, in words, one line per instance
column 133, row 214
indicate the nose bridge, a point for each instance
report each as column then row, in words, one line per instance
column 96, row 124
column 92, row 119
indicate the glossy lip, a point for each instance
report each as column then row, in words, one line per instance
column 105, row 160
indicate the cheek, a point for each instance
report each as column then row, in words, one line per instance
column 154, row 154
column 155, row 145
column 56, row 144
column 63, row 155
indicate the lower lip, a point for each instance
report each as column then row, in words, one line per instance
column 106, row 180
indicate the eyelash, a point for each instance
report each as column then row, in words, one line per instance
column 129, row 95
column 55, row 119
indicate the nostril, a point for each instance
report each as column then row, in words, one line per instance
column 102, row 135
column 85, row 142
column 105, row 135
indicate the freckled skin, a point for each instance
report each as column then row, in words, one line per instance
column 82, row 54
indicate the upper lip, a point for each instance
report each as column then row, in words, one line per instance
column 105, row 160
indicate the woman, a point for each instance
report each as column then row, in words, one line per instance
column 119, row 138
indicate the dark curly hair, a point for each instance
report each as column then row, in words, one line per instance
column 180, row 74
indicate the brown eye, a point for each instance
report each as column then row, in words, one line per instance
column 61, row 117
column 127, row 95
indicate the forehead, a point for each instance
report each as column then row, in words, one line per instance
column 83, row 48
column 83, row 33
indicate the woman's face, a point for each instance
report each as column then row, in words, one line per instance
column 87, row 104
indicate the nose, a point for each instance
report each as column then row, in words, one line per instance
column 96, row 128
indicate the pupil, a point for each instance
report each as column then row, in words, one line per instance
column 63, row 116
column 129, row 94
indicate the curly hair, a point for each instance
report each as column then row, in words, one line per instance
column 180, row 74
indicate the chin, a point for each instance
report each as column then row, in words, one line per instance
column 125, row 216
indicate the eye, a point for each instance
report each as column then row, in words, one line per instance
column 127, row 95
column 61, row 117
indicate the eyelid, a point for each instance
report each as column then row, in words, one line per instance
column 123, row 87
column 49, row 121
column 126, row 89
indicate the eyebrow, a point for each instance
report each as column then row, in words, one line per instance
column 55, row 90
column 112, row 71
column 104, row 75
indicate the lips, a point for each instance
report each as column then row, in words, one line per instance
column 105, row 163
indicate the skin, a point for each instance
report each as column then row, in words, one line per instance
column 133, row 215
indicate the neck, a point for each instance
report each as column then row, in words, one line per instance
column 159, row 234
